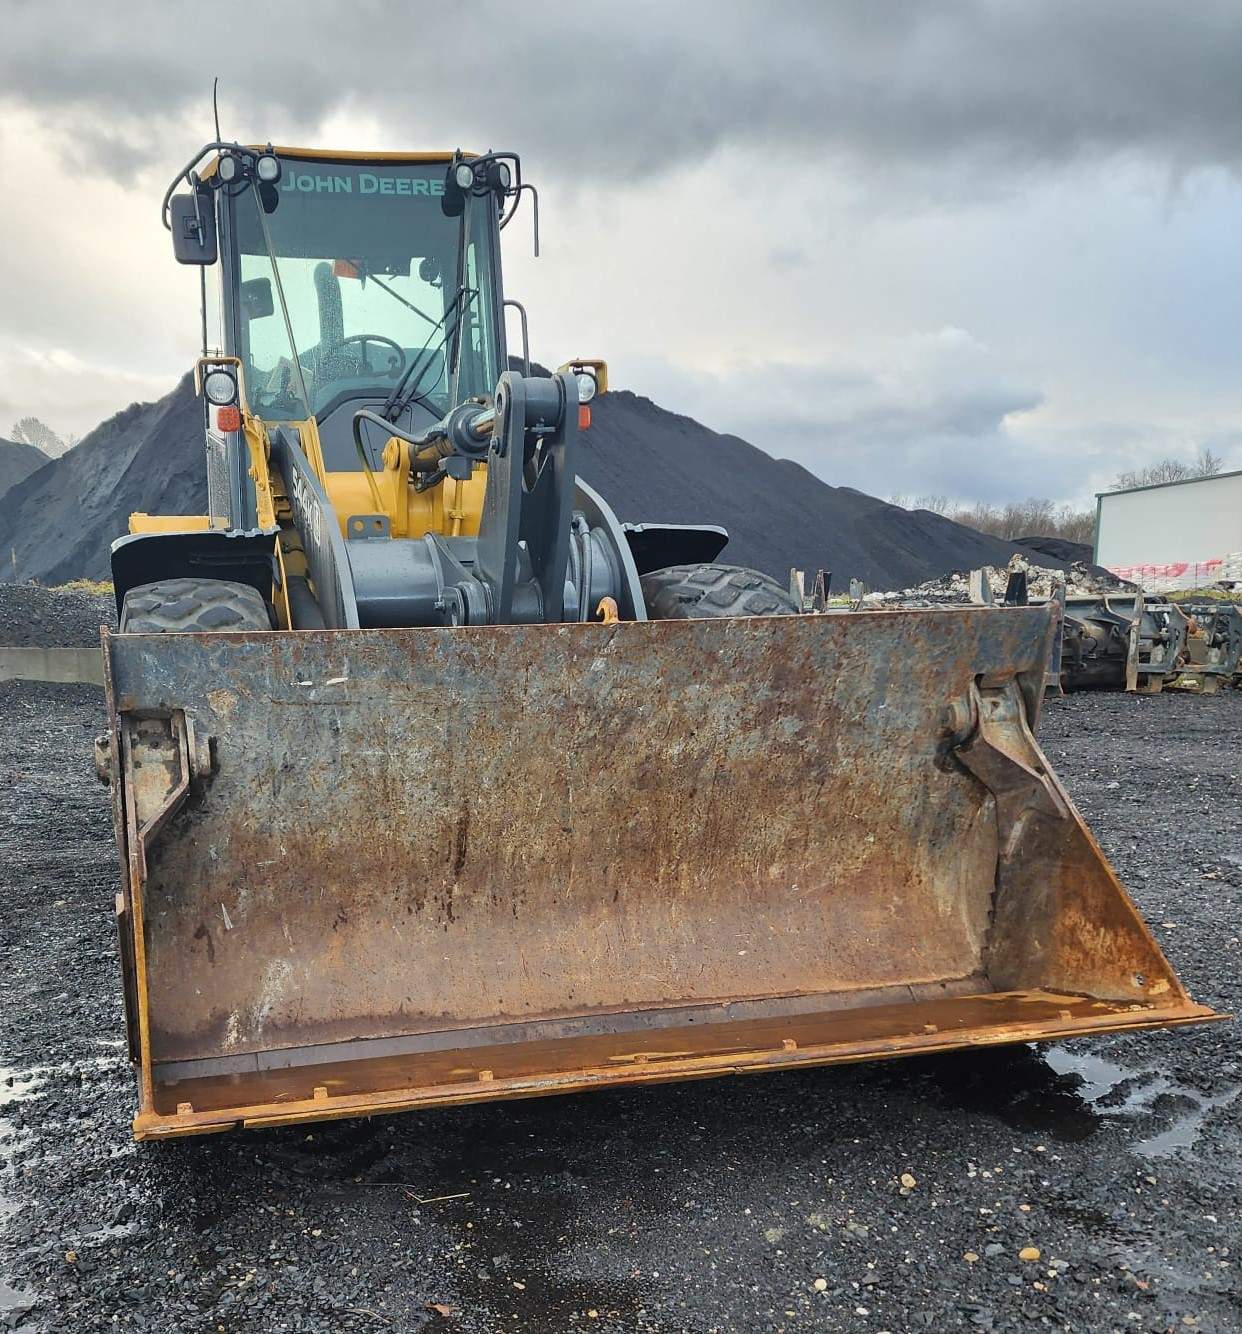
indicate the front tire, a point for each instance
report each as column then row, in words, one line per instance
column 193, row 606
column 711, row 592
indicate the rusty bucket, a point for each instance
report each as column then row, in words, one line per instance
column 370, row 870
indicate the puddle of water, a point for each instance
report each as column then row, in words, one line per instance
column 1022, row 1089
column 13, row 1299
column 1068, row 1095
column 16, row 1084
column 1112, row 1090
column 1183, row 1133
column 1098, row 1076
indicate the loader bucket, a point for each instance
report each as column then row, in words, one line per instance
column 368, row 870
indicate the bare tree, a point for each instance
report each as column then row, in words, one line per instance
column 936, row 504
column 32, row 431
column 1033, row 517
column 1036, row 516
column 1207, row 463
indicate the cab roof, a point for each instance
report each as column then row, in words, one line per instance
column 342, row 155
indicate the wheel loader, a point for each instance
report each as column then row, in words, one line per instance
column 434, row 783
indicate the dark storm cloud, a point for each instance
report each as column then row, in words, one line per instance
column 941, row 426
column 651, row 85
column 1057, row 314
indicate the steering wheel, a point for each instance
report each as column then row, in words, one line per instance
column 367, row 338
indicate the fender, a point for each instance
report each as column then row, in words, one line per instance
column 656, row 546
column 245, row 557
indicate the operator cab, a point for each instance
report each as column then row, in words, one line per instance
column 389, row 295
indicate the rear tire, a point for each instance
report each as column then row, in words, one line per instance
column 193, row 606
column 709, row 592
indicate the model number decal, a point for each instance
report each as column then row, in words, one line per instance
column 307, row 505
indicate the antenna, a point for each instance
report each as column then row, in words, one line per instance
column 202, row 272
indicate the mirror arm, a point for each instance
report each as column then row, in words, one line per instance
column 185, row 174
column 521, row 310
column 517, row 199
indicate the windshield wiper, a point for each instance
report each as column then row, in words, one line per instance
column 401, row 397
column 409, row 305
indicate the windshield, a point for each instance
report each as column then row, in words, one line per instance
column 371, row 269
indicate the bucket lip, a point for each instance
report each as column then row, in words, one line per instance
column 714, row 626
column 1075, row 1016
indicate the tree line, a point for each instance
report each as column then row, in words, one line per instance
column 1041, row 517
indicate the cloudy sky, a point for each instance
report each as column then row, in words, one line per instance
column 982, row 249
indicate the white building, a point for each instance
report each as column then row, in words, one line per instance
column 1174, row 534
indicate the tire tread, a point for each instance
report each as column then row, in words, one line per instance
column 710, row 591
column 193, row 606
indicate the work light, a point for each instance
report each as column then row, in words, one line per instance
column 267, row 168
column 229, row 169
column 220, row 387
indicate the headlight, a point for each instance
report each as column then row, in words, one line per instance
column 228, row 169
column 220, row 387
column 267, row 168
column 586, row 386
column 500, row 177
column 463, row 174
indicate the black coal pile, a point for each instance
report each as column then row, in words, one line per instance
column 17, row 461
column 1059, row 548
column 52, row 617
column 60, row 521
column 656, row 466
column 650, row 464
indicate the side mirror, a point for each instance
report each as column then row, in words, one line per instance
column 256, row 298
column 193, row 220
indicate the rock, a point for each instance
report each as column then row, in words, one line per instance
column 971, row 1257
column 1029, row 1254
column 908, row 1181
column 820, row 1285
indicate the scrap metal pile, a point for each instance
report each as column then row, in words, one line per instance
column 1131, row 642
column 1113, row 636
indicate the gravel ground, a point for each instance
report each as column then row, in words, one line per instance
column 52, row 617
column 759, row 1204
